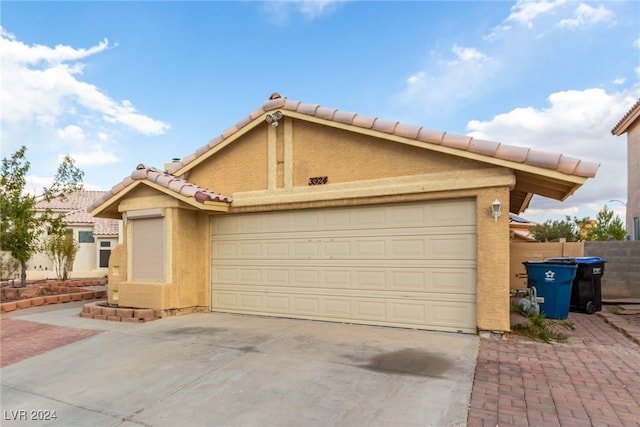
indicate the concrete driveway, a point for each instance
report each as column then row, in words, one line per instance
column 213, row 369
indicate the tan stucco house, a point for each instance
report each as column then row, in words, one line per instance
column 630, row 124
column 310, row 212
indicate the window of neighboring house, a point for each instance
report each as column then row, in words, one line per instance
column 105, row 253
column 636, row 228
column 148, row 249
column 85, row 237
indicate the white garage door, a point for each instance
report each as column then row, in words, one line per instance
column 409, row 265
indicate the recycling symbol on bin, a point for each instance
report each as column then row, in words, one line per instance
column 550, row 276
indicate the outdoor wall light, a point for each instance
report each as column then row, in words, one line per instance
column 496, row 208
column 273, row 118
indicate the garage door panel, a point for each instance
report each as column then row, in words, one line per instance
column 435, row 214
column 442, row 280
column 391, row 247
column 446, row 315
column 410, row 265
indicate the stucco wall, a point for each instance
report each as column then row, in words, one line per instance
column 240, row 166
column 323, row 151
column 493, row 262
column 269, row 168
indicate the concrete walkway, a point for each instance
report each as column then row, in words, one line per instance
column 226, row 370
column 214, row 369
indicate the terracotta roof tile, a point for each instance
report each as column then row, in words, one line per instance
column 543, row 159
column 200, row 151
column 230, row 131
column 619, row 129
column 586, row 169
column 456, row 141
column 567, row 164
column 433, row 136
column 386, row 126
column 407, row 131
column 363, row 121
column 243, row 122
column 487, row 148
column 79, row 217
column 166, row 180
column 326, row 113
column 106, row 227
column 309, row 109
column 73, row 201
column 288, row 104
column 512, row 153
column 344, row 117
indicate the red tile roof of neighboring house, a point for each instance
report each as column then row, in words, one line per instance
column 106, row 227
column 166, row 180
column 543, row 159
column 75, row 205
column 78, row 200
column 631, row 116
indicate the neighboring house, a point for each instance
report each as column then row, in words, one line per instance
column 519, row 228
column 310, row 212
column 630, row 124
column 96, row 237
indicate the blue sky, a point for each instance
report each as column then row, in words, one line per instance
column 115, row 84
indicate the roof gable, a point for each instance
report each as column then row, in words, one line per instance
column 545, row 173
column 180, row 189
column 627, row 120
column 465, row 146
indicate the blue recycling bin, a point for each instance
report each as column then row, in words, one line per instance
column 553, row 281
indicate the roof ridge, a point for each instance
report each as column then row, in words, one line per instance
column 514, row 153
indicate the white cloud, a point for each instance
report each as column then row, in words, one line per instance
column 467, row 54
column 92, row 156
column 48, row 108
column 636, row 43
column 525, row 12
column 577, row 124
column 619, row 81
column 445, row 82
column 71, row 133
column 585, row 15
column 280, row 10
column 41, row 84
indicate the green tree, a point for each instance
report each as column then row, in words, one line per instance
column 607, row 227
column 556, row 229
column 61, row 249
column 20, row 225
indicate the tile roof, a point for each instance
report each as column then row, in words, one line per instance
column 78, row 200
column 106, row 227
column 166, row 180
column 631, row 115
column 547, row 160
column 74, row 207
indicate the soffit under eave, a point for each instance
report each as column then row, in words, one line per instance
column 109, row 209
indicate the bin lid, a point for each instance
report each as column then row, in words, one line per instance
column 579, row 260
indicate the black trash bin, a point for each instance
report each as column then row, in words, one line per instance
column 586, row 292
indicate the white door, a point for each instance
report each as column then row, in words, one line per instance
column 409, row 265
